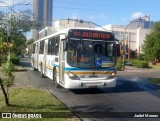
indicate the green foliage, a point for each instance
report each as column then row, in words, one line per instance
column 30, row 41
column 19, row 42
column 22, row 22
column 133, row 54
column 8, row 68
column 133, row 61
column 140, row 63
column 151, row 47
column 30, row 100
column 14, row 58
column 119, row 65
column 140, row 57
column 7, row 80
column 155, row 80
column 4, row 58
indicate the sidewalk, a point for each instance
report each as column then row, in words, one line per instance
column 134, row 69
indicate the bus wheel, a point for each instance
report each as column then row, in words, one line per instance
column 42, row 75
column 34, row 69
column 55, row 78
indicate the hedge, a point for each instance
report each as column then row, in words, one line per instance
column 140, row 63
column 14, row 59
column 119, row 65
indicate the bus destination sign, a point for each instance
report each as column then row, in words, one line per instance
column 88, row 34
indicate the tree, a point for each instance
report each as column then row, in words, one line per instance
column 7, row 80
column 20, row 23
column 151, row 46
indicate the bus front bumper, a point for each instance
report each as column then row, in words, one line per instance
column 81, row 84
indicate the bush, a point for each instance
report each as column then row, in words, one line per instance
column 14, row 58
column 133, row 54
column 140, row 57
column 133, row 62
column 4, row 58
column 140, row 63
column 119, row 65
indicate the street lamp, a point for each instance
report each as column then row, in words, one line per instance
column 10, row 7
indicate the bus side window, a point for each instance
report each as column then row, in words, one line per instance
column 57, row 45
column 49, row 47
column 34, row 47
column 53, row 46
column 41, row 49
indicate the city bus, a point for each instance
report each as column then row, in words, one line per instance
column 77, row 58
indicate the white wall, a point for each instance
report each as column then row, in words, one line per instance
column 136, row 36
column 140, row 39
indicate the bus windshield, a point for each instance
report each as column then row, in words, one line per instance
column 91, row 54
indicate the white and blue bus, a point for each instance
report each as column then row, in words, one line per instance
column 77, row 58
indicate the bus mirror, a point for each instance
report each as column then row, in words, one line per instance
column 65, row 45
column 118, row 50
column 117, row 41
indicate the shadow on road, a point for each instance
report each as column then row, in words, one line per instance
column 124, row 85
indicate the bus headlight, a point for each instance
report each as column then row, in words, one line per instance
column 113, row 74
column 73, row 76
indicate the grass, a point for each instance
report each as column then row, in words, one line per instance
column 35, row 100
column 155, row 80
column 157, row 66
column 20, row 68
column 17, row 68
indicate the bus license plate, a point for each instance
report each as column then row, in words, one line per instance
column 92, row 86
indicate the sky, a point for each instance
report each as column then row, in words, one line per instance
column 15, row 3
column 101, row 12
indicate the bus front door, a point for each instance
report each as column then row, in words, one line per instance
column 45, row 56
column 36, row 61
column 61, row 62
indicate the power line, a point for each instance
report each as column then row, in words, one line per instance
column 86, row 9
column 110, row 5
column 90, row 9
column 92, row 4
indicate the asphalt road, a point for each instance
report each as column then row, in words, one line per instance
column 134, row 94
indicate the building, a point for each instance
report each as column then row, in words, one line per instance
column 43, row 14
column 142, row 23
column 133, row 34
column 63, row 24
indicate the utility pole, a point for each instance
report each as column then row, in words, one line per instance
column 10, row 7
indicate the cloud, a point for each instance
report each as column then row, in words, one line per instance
column 11, row 2
column 103, row 16
column 92, row 17
column 75, row 16
column 137, row 15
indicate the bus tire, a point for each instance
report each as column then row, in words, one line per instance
column 34, row 69
column 56, row 85
column 42, row 75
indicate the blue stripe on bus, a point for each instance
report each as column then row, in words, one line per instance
column 54, row 65
column 77, row 69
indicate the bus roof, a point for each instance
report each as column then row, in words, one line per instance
column 65, row 31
